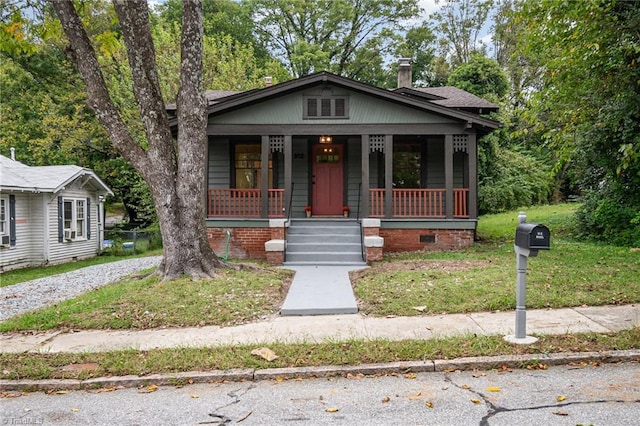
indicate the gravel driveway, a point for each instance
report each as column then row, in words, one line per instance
column 29, row 295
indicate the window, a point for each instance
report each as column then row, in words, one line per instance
column 4, row 208
column 74, row 218
column 325, row 107
column 248, row 167
column 406, row 165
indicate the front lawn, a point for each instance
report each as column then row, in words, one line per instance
column 482, row 278
column 233, row 297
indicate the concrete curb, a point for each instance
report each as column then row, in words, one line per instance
column 471, row 363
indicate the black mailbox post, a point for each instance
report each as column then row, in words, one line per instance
column 530, row 237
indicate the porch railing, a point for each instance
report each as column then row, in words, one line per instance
column 243, row 202
column 419, row 202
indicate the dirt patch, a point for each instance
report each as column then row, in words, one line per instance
column 420, row 265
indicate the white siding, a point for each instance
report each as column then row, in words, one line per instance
column 78, row 249
column 19, row 255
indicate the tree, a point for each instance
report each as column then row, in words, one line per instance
column 345, row 37
column 588, row 104
column 482, row 77
column 173, row 169
column 458, row 24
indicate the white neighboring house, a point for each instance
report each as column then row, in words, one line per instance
column 49, row 214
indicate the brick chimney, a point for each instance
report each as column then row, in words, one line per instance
column 404, row 73
column 268, row 81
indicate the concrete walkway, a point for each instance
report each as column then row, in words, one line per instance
column 331, row 328
column 320, row 290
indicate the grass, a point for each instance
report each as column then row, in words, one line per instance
column 501, row 227
column 120, row 363
column 28, row 274
column 233, row 297
column 482, row 278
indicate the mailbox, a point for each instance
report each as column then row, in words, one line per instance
column 533, row 236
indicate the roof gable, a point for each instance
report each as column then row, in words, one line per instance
column 241, row 100
column 20, row 177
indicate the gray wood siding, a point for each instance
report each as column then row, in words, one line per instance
column 435, row 163
column 376, row 170
column 80, row 248
column 219, row 173
column 363, row 109
column 353, row 173
column 299, row 177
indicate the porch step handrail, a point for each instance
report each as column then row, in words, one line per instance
column 289, row 205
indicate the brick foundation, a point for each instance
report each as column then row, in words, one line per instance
column 402, row 240
column 245, row 243
column 373, row 254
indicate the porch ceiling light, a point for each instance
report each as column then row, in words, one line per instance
column 326, row 139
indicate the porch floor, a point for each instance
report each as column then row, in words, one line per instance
column 320, row 290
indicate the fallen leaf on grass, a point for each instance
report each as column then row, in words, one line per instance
column 332, row 410
column 493, row 389
column 561, row 398
column 265, row 353
column 420, row 308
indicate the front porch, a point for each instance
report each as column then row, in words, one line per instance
column 406, row 203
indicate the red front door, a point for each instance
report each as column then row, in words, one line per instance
column 327, row 191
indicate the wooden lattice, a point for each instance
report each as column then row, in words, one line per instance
column 276, row 143
column 460, row 143
column 376, row 143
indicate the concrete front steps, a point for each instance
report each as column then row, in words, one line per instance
column 328, row 242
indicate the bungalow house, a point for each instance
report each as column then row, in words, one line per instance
column 399, row 166
column 48, row 214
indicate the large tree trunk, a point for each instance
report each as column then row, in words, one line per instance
column 175, row 172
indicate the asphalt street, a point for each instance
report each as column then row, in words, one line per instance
column 607, row 394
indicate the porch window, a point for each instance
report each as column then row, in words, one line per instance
column 248, row 166
column 74, row 218
column 407, row 159
column 325, row 107
column 4, row 229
